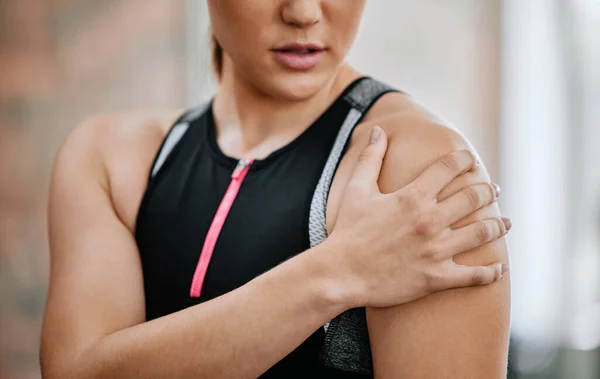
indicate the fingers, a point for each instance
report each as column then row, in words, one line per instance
column 473, row 235
column 458, row 276
column 466, row 201
column 441, row 173
column 370, row 161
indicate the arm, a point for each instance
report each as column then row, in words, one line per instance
column 94, row 321
column 94, row 324
column 458, row 333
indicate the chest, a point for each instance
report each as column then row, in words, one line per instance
column 266, row 224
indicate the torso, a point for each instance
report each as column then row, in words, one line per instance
column 138, row 137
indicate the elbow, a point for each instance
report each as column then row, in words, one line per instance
column 51, row 362
column 51, row 369
column 55, row 367
column 59, row 363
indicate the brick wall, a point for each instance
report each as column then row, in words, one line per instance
column 61, row 60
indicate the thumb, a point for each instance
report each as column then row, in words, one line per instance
column 370, row 160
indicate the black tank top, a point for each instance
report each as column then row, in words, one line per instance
column 267, row 223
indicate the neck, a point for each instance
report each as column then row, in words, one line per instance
column 251, row 124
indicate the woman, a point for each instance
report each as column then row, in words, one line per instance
column 273, row 238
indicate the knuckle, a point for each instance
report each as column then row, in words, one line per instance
column 366, row 155
column 473, row 197
column 450, row 162
column 478, row 276
column 483, row 232
column 424, row 225
column 429, row 253
column 411, row 198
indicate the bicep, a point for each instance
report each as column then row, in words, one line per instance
column 455, row 333
column 96, row 285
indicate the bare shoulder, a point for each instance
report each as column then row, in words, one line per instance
column 115, row 151
column 451, row 328
column 105, row 133
column 416, row 139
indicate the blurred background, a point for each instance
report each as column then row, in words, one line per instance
column 520, row 78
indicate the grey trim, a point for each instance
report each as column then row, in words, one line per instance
column 365, row 93
column 347, row 345
column 195, row 113
column 174, row 136
column 317, row 227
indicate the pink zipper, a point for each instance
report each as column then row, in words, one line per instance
column 237, row 177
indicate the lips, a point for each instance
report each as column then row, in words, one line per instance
column 298, row 56
column 298, row 51
column 300, row 47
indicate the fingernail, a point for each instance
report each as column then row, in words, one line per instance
column 497, row 190
column 503, row 270
column 507, row 223
column 375, row 134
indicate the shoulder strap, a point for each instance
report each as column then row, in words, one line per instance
column 361, row 98
column 346, row 344
column 366, row 93
column 174, row 136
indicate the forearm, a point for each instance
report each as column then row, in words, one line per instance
column 238, row 335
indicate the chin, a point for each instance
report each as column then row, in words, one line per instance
column 295, row 86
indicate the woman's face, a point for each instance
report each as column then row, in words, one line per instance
column 286, row 48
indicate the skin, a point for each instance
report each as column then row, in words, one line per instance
column 101, row 172
column 459, row 333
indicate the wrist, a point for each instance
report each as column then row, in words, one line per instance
column 337, row 289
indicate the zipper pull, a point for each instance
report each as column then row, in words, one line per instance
column 243, row 165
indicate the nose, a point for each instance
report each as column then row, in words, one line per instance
column 301, row 13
